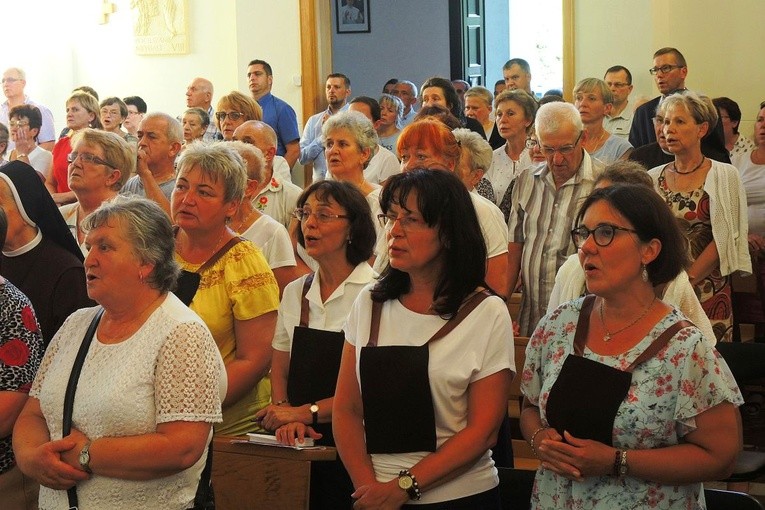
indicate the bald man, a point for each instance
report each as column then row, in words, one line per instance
column 277, row 195
column 199, row 94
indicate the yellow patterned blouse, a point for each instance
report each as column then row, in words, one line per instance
column 241, row 286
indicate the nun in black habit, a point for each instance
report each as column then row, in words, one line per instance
column 40, row 255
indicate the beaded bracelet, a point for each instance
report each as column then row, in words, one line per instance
column 534, row 436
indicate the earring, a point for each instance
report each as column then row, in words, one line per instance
column 140, row 276
column 644, row 272
column 350, row 241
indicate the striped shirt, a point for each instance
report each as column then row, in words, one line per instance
column 542, row 218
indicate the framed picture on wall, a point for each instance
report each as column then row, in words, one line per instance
column 352, row 16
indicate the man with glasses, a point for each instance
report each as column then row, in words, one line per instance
column 159, row 142
column 619, row 121
column 199, row 94
column 544, row 203
column 338, row 90
column 669, row 71
column 14, row 81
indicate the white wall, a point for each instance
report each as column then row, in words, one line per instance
column 70, row 48
column 408, row 40
column 721, row 41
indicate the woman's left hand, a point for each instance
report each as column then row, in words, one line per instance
column 381, row 496
column 273, row 416
column 72, row 456
column 577, row 458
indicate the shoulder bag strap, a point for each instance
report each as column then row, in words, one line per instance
column 71, row 388
column 583, row 325
column 304, row 306
column 659, row 343
column 374, row 325
column 218, row 254
column 467, row 307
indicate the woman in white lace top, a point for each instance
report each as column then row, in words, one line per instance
column 150, row 386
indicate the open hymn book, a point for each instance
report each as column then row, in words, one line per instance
column 269, row 440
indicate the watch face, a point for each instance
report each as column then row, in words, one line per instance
column 405, row 482
column 623, row 470
column 314, row 408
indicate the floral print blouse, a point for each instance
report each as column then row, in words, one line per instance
column 667, row 392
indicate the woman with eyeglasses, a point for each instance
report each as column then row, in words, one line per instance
column 233, row 110
column 570, row 281
column 235, row 292
column 336, row 230
column 427, row 362
column 25, row 123
column 99, row 165
column 708, row 200
column 82, row 111
column 349, row 139
column 515, row 111
column 594, row 100
column 626, row 404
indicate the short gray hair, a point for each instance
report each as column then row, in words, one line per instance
column 117, row 152
column 149, row 232
column 699, row 106
column 217, row 161
column 357, row 124
column 19, row 71
column 174, row 131
column 254, row 161
column 479, row 149
column 552, row 116
column 626, row 172
column 590, row 84
column 481, row 93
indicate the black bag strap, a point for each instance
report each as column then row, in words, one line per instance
column 583, row 324
column 304, row 306
column 71, row 388
column 470, row 303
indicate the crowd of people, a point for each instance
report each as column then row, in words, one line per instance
column 230, row 300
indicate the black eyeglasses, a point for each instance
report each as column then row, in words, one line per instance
column 602, row 234
column 221, row 116
column 322, row 217
column 87, row 158
column 663, row 69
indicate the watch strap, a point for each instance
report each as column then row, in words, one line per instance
column 315, row 414
column 414, row 489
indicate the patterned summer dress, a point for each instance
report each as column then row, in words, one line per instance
column 714, row 292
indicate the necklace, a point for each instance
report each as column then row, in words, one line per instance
column 598, row 141
column 609, row 335
column 244, row 222
column 674, row 169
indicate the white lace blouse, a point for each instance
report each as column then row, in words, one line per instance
column 169, row 370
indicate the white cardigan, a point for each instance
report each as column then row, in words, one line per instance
column 727, row 207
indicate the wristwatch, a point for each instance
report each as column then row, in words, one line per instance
column 315, row 412
column 408, row 483
column 85, row 458
column 621, row 467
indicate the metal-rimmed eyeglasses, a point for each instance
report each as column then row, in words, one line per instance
column 221, row 116
column 602, row 234
column 407, row 223
column 321, row 216
column 18, row 123
column 531, row 143
column 87, row 158
column 565, row 150
column 663, row 69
